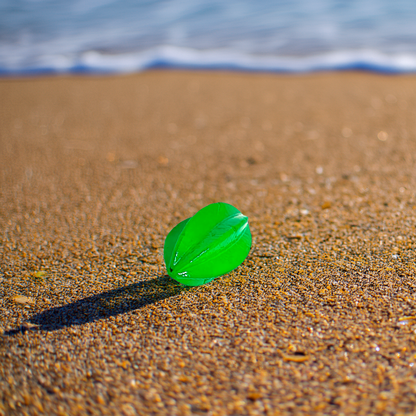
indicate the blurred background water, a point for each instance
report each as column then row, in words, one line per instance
column 106, row 36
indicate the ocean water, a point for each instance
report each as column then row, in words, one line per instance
column 113, row 36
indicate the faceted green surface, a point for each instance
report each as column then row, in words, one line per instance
column 213, row 242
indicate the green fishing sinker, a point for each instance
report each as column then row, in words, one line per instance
column 213, row 242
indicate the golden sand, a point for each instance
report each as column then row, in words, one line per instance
column 320, row 318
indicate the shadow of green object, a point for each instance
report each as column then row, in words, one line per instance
column 213, row 242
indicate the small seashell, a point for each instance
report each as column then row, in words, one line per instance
column 23, row 300
column 297, row 358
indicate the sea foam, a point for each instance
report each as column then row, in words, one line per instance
column 93, row 62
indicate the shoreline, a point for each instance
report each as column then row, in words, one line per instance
column 170, row 57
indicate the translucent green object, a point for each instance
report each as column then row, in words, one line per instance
column 213, row 242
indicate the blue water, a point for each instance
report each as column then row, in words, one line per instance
column 112, row 36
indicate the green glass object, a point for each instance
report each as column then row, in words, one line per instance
column 213, row 242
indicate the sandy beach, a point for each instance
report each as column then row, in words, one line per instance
column 319, row 319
